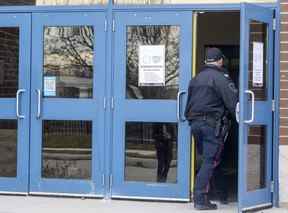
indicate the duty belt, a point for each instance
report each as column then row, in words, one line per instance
column 209, row 118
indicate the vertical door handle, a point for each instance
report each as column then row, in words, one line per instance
column 237, row 111
column 38, row 103
column 19, row 91
column 252, row 107
column 179, row 95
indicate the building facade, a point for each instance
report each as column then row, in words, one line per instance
column 93, row 93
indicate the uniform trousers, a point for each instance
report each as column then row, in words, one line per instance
column 211, row 148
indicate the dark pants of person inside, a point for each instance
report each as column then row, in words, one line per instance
column 211, row 148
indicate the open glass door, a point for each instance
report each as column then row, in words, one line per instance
column 255, row 124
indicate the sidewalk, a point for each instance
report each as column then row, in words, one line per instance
column 33, row 204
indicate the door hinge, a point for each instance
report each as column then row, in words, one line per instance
column 272, row 186
column 273, row 106
column 110, row 182
column 274, row 23
column 112, row 103
column 104, row 103
column 103, row 180
column 105, row 25
column 113, row 25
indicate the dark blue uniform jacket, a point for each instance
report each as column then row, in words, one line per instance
column 211, row 92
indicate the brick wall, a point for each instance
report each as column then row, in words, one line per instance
column 284, row 74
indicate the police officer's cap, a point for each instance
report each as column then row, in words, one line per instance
column 214, row 54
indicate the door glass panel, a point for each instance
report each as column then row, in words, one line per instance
column 8, row 148
column 51, row 2
column 67, row 149
column 68, row 62
column 256, row 162
column 9, row 61
column 152, row 62
column 151, row 152
column 258, row 61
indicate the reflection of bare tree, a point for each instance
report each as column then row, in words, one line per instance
column 72, row 42
column 69, row 50
column 153, row 35
column 68, row 56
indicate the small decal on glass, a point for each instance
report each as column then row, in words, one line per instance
column 50, row 86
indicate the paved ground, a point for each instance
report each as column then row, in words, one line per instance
column 33, row 204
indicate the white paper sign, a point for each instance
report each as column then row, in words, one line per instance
column 258, row 59
column 49, row 86
column 151, row 65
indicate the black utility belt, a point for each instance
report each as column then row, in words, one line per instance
column 210, row 119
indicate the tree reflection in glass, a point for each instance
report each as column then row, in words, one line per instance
column 153, row 35
column 68, row 62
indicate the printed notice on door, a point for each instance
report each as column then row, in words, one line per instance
column 151, row 65
column 258, row 65
column 49, row 86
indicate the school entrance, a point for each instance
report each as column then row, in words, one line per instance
column 92, row 101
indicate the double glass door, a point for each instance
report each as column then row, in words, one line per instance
column 61, row 104
column 53, row 132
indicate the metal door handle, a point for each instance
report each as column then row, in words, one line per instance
column 253, row 106
column 38, row 103
column 19, row 91
column 179, row 94
column 237, row 111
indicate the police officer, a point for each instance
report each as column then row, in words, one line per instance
column 211, row 94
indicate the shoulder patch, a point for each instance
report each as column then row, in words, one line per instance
column 232, row 87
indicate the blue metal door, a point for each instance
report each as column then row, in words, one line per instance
column 15, row 31
column 151, row 141
column 256, row 108
column 67, row 113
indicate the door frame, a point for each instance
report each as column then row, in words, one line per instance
column 246, row 197
column 110, row 8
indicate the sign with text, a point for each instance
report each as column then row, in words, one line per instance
column 258, row 65
column 49, row 86
column 151, row 65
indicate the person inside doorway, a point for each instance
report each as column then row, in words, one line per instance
column 212, row 95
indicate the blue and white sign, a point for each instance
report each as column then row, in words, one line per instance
column 50, row 86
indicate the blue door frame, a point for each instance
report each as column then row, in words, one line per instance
column 109, row 10
column 150, row 110
column 9, row 106
column 86, row 109
column 261, row 116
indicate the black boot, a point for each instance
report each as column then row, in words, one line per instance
column 201, row 202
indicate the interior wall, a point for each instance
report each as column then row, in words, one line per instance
column 216, row 29
column 223, row 30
